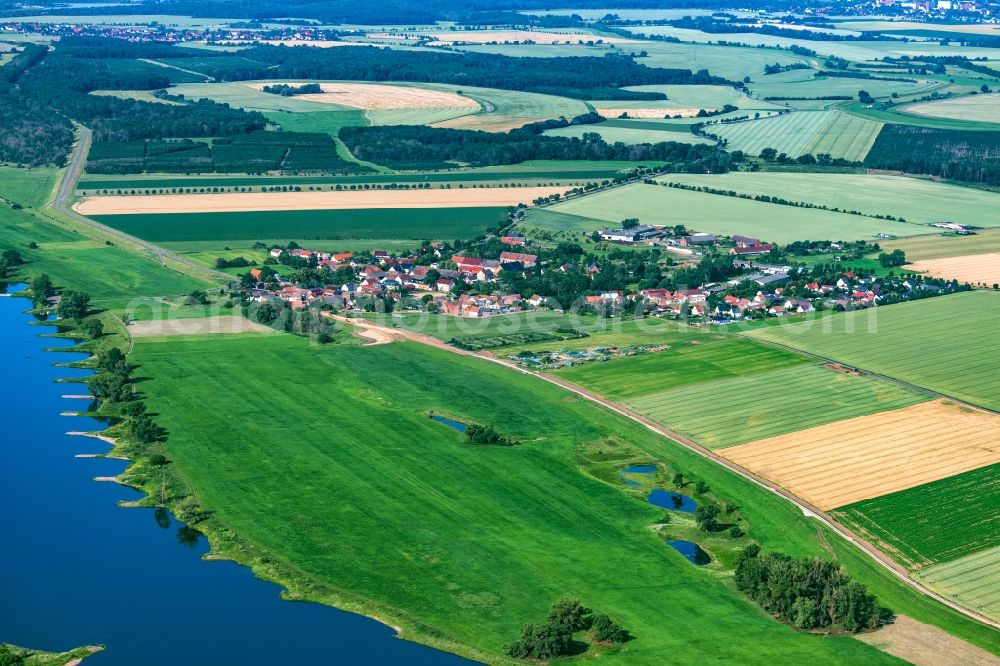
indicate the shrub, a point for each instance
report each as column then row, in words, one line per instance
column 570, row 613
column 541, row 641
column 606, row 630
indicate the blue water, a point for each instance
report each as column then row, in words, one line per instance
column 691, row 551
column 672, row 501
column 448, row 422
column 77, row 569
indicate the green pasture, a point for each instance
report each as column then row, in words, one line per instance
column 28, row 187
column 75, row 260
column 691, row 359
column 736, row 410
column 945, row 344
column 329, row 122
column 917, row 200
column 897, row 115
column 617, row 332
column 973, row 581
column 239, row 94
column 941, row 521
column 702, row 97
column 655, row 204
column 824, row 86
column 802, row 132
column 976, row 108
column 205, row 252
column 304, row 225
column 373, row 505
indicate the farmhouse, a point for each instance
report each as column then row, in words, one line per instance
column 697, row 239
column 751, row 250
column 526, row 260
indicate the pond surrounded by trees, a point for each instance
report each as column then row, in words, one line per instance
column 78, row 570
column 672, row 501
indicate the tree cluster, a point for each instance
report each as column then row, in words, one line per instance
column 809, row 593
column 554, row 637
column 487, row 434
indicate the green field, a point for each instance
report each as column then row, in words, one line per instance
column 824, row 86
column 691, row 359
column 29, row 188
column 731, row 411
column 938, row 247
column 916, row 200
column 803, row 132
column 111, row 275
column 702, row 97
column 304, row 225
column 973, row 581
column 457, row 544
column 937, row 522
column 944, row 344
column 978, row 108
column 654, row 204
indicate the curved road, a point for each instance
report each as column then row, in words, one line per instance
column 807, row 509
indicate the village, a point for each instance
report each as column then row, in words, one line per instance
column 749, row 279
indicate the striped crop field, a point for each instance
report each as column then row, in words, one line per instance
column 973, row 581
column 803, row 132
column 946, row 344
column 943, row 521
column 733, row 411
column 684, row 363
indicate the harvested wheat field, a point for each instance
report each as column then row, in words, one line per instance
column 646, row 113
column 870, row 456
column 195, row 326
column 235, row 202
column 925, row 645
column 974, row 269
column 508, row 36
column 487, row 122
column 371, row 96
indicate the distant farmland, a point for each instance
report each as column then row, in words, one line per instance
column 946, row 344
column 654, row 204
column 802, row 132
column 303, row 225
column 936, row 522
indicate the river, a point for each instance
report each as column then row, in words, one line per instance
column 76, row 569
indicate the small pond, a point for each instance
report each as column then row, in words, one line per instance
column 448, row 422
column 691, row 551
column 672, row 501
column 636, row 469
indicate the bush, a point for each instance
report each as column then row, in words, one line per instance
column 606, row 630
column 570, row 613
column 541, row 641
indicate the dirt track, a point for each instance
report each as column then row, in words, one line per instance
column 926, row 645
column 275, row 201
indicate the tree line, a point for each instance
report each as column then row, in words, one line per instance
column 414, row 147
column 577, row 77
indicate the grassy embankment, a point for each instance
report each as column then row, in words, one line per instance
column 430, row 533
column 39, row 658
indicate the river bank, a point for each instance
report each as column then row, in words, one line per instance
column 133, row 575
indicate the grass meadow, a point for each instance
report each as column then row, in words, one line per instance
column 939, row 247
column 29, row 188
column 355, row 491
column 628, row 135
column 304, row 225
column 944, row 344
column 937, row 522
column 690, row 360
column 111, row 275
column 712, row 213
column 731, row 411
column 916, row 200
column 803, row 132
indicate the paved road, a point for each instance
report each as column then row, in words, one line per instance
column 62, row 204
column 807, row 509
